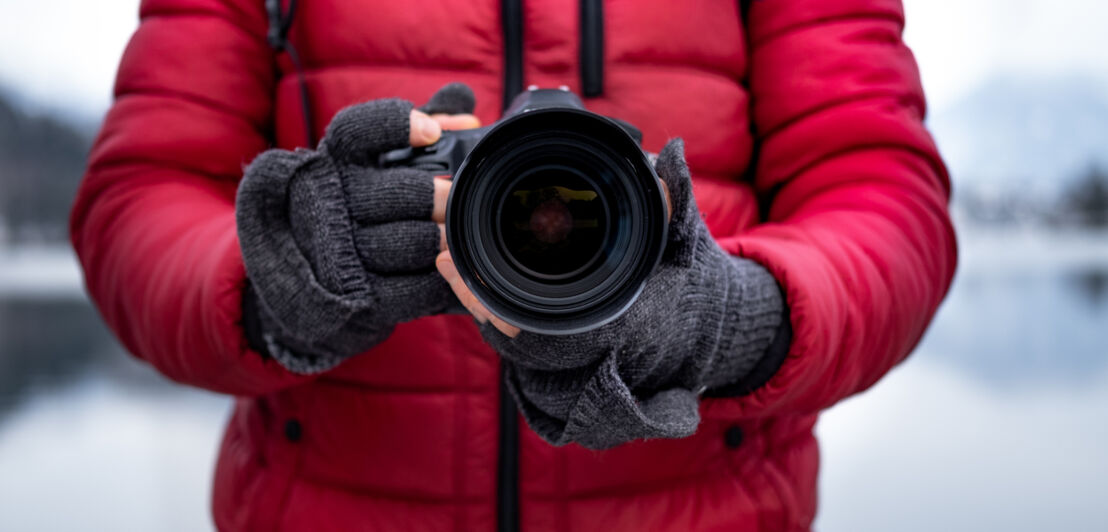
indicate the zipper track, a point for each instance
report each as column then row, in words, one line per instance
column 507, row 467
column 507, row 483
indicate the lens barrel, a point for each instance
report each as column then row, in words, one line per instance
column 556, row 219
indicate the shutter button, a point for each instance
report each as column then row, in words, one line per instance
column 293, row 430
column 733, row 436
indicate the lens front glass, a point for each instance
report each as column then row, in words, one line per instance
column 556, row 220
column 553, row 223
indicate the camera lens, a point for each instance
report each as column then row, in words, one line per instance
column 553, row 223
column 555, row 220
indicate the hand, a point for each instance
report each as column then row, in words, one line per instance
column 703, row 317
column 337, row 250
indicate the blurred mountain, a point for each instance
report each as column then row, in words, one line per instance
column 1040, row 134
column 42, row 159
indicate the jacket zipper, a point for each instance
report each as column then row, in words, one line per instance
column 592, row 48
column 507, row 467
column 507, row 482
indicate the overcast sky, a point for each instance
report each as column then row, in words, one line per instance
column 63, row 53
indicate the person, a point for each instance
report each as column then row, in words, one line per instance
column 236, row 235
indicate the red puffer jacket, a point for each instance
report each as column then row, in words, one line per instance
column 804, row 131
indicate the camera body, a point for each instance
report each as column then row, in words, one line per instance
column 446, row 156
column 556, row 217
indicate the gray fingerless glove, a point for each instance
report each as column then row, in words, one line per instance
column 704, row 320
column 337, row 251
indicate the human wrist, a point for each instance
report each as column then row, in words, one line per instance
column 754, row 317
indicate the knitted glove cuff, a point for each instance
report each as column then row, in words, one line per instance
column 605, row 412
column 282, row 274
column 740, row 329
column 322, row 227
column 259, row 326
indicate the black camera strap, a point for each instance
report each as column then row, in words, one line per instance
column 592, row 48
column 280, row 22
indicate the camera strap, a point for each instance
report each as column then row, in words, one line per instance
column 592, row 48
column 280, row 22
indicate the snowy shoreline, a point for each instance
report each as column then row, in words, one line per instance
column 40, row 272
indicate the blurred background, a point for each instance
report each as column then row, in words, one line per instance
column 999, row 421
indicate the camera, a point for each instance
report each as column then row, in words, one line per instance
column 556, row 217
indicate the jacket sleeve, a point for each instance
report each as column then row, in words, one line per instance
column 153, row 223
column 857, row 231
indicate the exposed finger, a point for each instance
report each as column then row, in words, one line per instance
column 442, row 194
column 455, row 122
column 424, row 130
column 445, row 265
column 669, row 200
column 449, row 272
column 394, row 247
column 442, row 240
column 509, row 330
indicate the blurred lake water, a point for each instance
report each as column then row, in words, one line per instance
column 997, row 422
